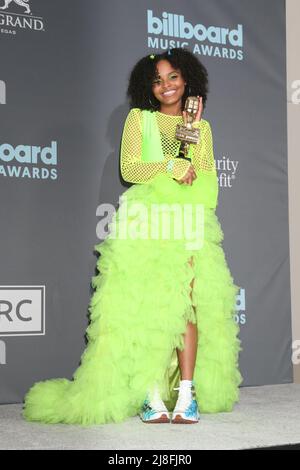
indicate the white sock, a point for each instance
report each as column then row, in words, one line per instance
column 185, row 387
column 155, row 399
column 186, row 383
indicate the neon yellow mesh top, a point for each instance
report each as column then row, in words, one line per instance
column 134, row 170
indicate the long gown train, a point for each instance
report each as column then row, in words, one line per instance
column 138, row 315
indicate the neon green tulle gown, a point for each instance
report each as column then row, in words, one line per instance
column 143, row 297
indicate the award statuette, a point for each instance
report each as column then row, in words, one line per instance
column 186, row 133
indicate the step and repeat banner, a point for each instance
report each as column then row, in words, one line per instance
column 64, row 69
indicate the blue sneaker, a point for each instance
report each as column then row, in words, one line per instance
column 151, row 414
column 186, row 409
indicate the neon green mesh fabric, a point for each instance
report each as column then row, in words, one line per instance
column 134, row 170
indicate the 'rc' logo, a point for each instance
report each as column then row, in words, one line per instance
column 22, row 310
column 22, row 3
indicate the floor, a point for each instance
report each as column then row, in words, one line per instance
column 265, row 416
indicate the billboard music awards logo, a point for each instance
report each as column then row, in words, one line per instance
column 240, row 311
column 28, row 161
column 171, row 30
column 16, row 15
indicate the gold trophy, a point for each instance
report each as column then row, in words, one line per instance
column 186, row 134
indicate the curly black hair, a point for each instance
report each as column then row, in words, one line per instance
column 143, row 73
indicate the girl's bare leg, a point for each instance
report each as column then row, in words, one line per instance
column 187, row 357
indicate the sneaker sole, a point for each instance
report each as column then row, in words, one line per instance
column 179, row 420
column 161, row 419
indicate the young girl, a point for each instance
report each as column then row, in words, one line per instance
column 162, row 313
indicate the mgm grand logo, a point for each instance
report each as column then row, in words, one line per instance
column 10, row 21
column 22, row 3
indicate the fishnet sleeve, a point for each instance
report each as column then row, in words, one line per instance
column 133, row 169
column 203, row 152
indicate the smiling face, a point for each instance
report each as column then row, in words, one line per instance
column 169, row 86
